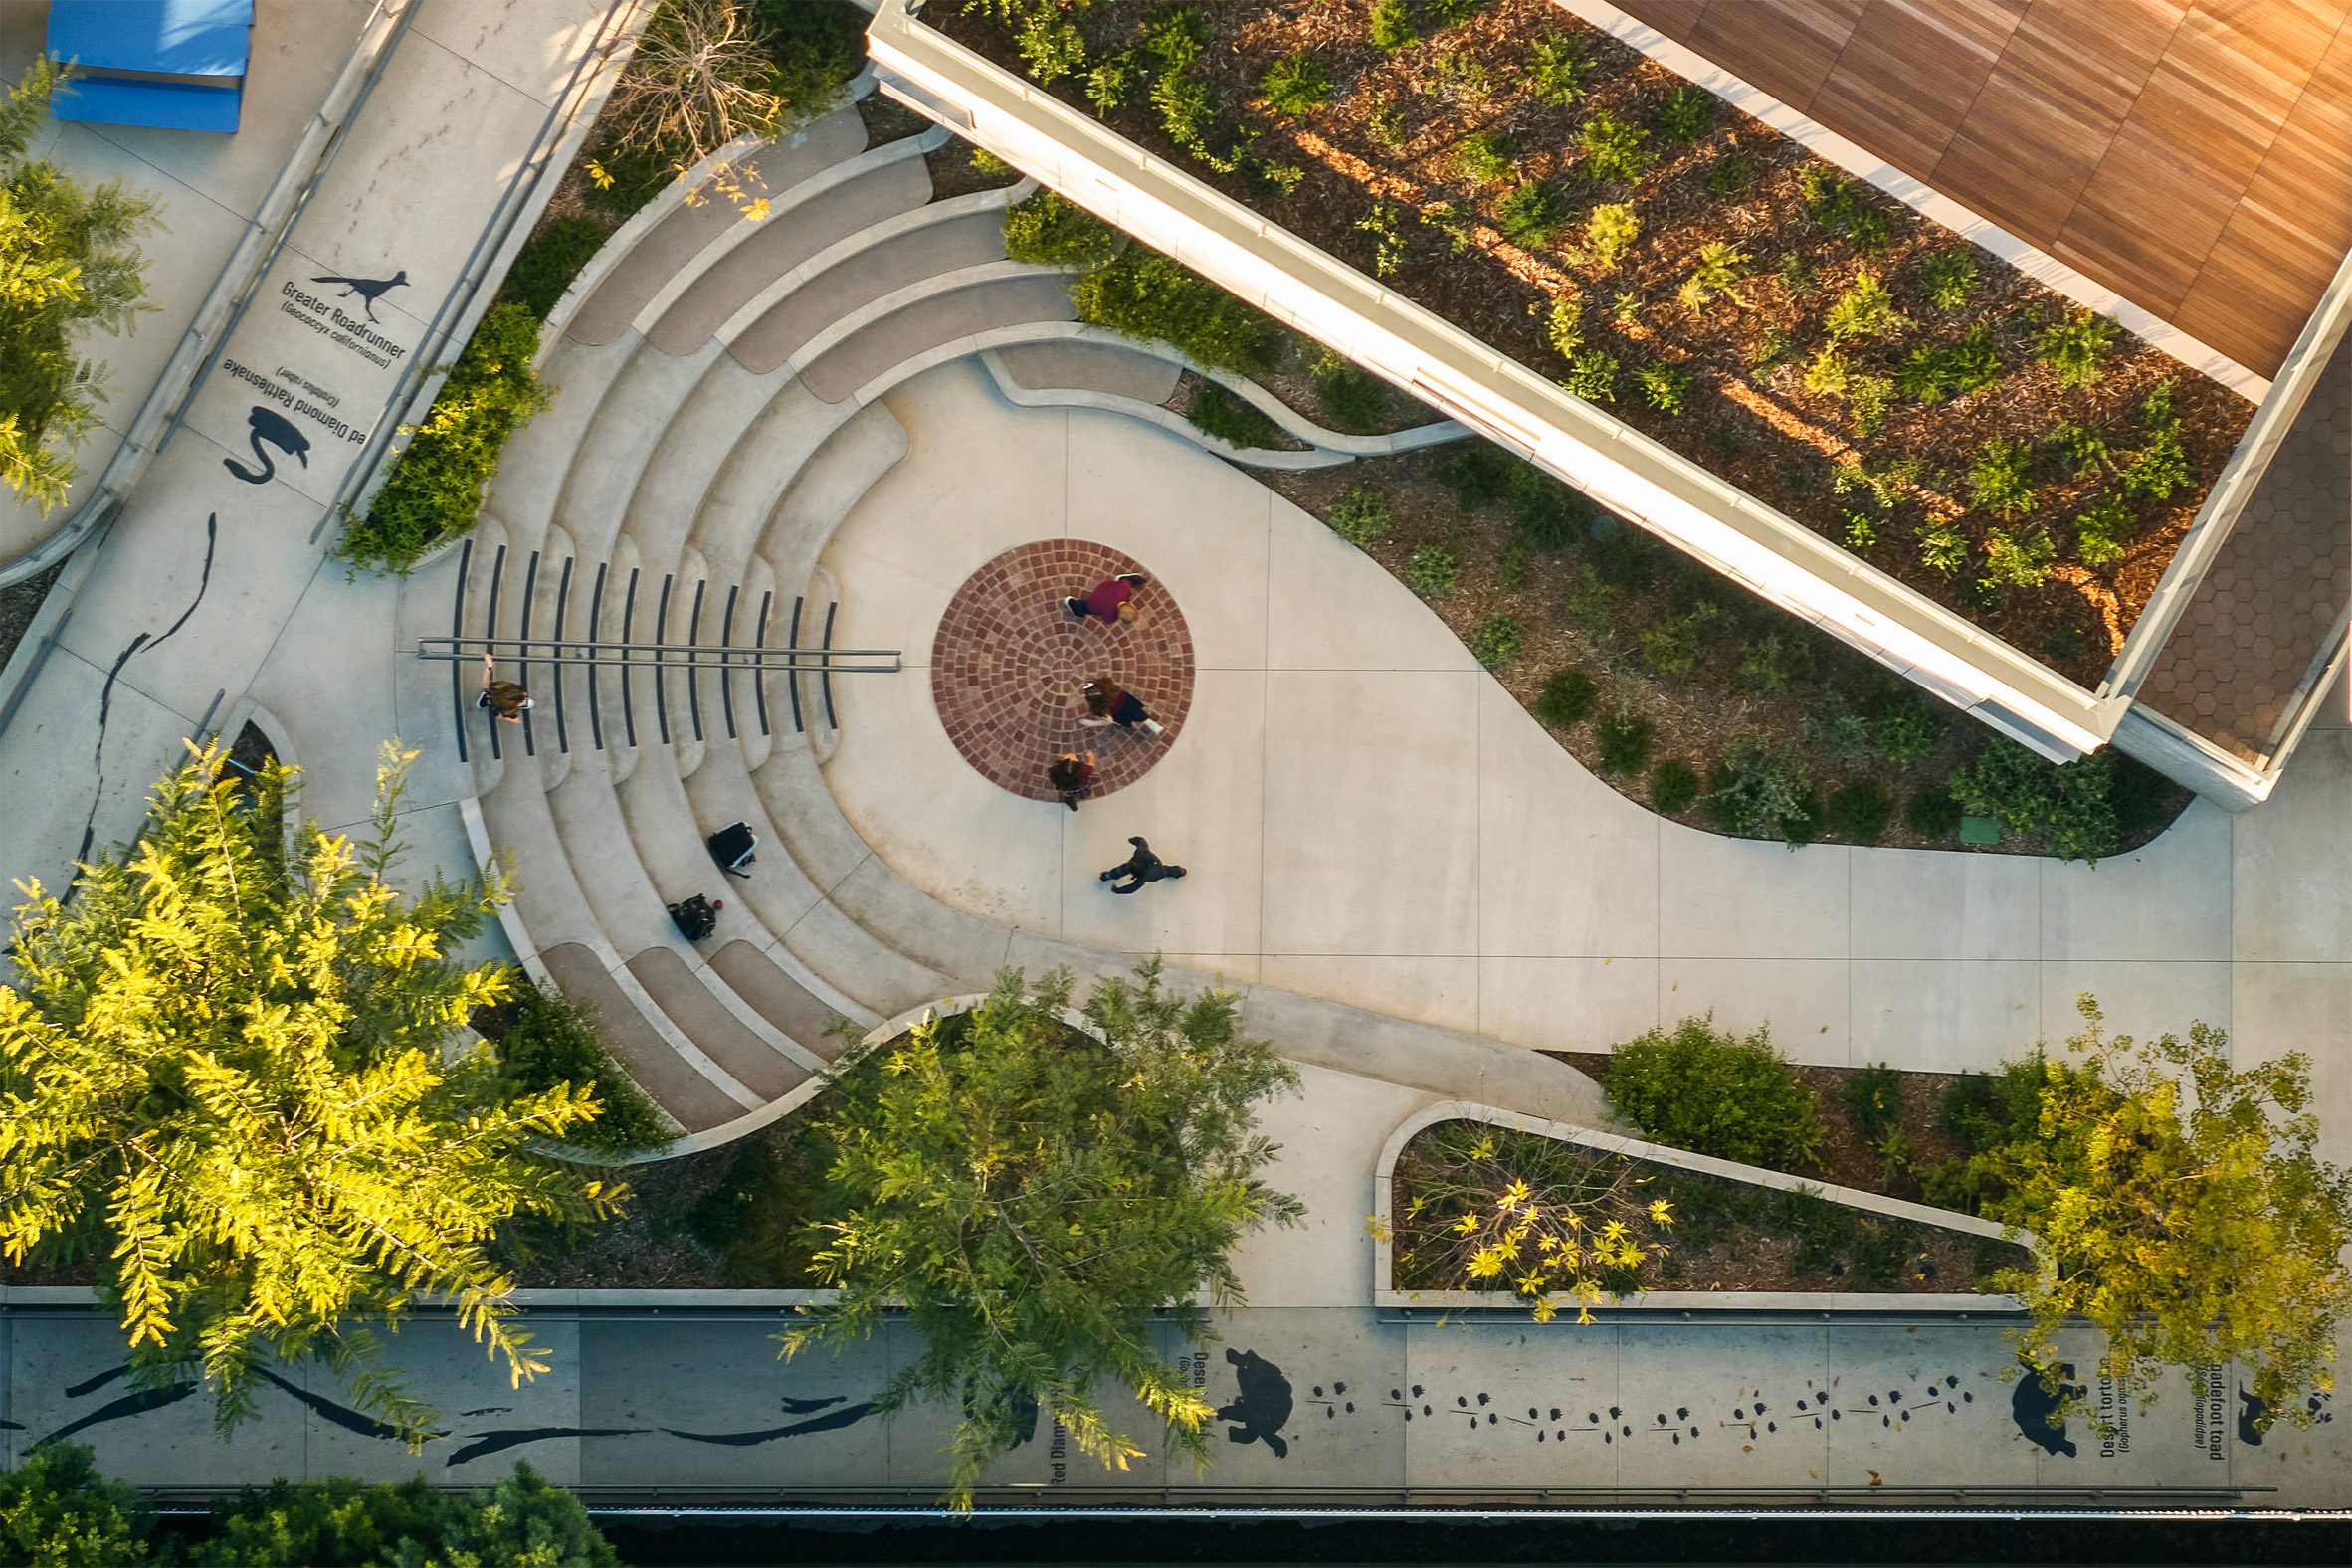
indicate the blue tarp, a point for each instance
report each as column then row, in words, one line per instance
column 172, row 64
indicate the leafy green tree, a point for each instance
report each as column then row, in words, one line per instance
column 2182, row 1211
column 1037, row 1198
column 523, row 1522
column 1715, row 1092
column 69, row 259
column 223, row 1068
column 57, row 1511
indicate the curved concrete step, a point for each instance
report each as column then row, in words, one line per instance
column 650, row 260
column 864, row 446
column 766, row 453
column 614, row 447
column 939, row 311
column 932, row 242
column 825, row 207
column 529, row 479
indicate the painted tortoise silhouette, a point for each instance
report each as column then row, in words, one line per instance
column 1261, row 1404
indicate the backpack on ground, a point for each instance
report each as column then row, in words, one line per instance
column 733, row 847
column 695, row 917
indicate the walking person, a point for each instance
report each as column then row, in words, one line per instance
column 1072, row 775
column 1110, row 601
column 1141, row 867
column 1108, row 702
column 507, row 698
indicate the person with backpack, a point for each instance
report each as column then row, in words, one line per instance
column 1110, row 601
column 1108, row 702
column 507, row 700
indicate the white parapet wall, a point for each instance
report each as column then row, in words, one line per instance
column 1619, row 468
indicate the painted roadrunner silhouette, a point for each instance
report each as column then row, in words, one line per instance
column 369, row 289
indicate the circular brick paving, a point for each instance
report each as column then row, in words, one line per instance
column 1009, row 660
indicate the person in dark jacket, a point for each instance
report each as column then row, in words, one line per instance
column 1141, row 867
column 1108, row 702
column 507, row 698
column 1071, row 774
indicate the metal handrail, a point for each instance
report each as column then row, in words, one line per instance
column 573, row 651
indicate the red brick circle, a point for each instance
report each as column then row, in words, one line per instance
column 1009, row 660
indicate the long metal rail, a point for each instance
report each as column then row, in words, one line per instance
column 664, row 656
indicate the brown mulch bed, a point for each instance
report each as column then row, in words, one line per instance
column 19, row 603
column 954, row 173
column 1571, row 621
column 887, row 120
column 1392, row 132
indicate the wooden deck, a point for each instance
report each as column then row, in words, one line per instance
column 2194, row 155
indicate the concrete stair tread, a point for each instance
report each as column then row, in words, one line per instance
column 675, row 240
column 875, row 185
column 1080, row 367
column 778, row 997
column 531, row 470
column 672, row 1082
column 947, row 316
column 770, row 450
column 691, row 1005
column 617, row 443
column 945, row 245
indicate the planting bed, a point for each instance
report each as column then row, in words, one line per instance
column 1918, row 401
column 1714, row 1235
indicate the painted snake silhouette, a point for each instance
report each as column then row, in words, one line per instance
column 275, row 427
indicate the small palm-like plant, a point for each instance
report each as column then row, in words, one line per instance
column 1591, row 375
column 1865, row 310
column 1295, row 85
column 1614, row 149
column 2002, row 477
column 1719, row 269
column 1557, row 70
column 2075, row 345
column 1666, row 388
column 1686, row 113
column 1608, row 231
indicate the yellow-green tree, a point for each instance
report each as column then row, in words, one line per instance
column 69, row 259
column 228, row 1066
column 1037, row 1198
column 2181, row 1210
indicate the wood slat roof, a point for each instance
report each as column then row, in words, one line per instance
column 2194, row 155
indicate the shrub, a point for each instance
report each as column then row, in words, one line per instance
column 1354, row 399
column 1591, row 375
column 1716, row 1092
column 1942, row 547
column 1760, row 791
column 1175, row 37
column 1145, row 295
column 59, row 1511
column 1609, row 229
column 1361, row 517
column 1684, row 114
column 1564, row 326
column 1547, row 513
column 1476, row 473
column 1865, row 310
column 1831, row 199
column 1046, row 230
column 1906, row 732
column 1670, row 645
column 1624, row 741
column 1230, row 419
column 1858, row 813
column 1839, row 733
column 1934, row 814
column 435, row 485
column 1613, row 148
column 1391, row 26
column 1557, row 70
column 1827, row 372
column 1775, row 662
column 2159, row 467
column 2019, row 558
column 1969, row 365
column 1295, row 85
column 1531, row 213
column 1731, row 173
column 2002, row 477
column 339, row 1519
column 1873, row 1099
column 2066, row 804
column 1666, row 388
column 1431, row 572
column 2074, row 346
column 1511, row 570
column 1719, row 267
column 1990, row 1110
column 1112, row 79
column 1187, row 112
column 1868, row 398
column 1948, row 278
column 548, row 262
column 1499, row 640
column 549, row 1040
column 1674, row 787
column 756, row 1218
column 1486, row 156
column 1566, row 700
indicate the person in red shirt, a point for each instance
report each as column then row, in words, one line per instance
column 1072, row 775
column 1111, row 601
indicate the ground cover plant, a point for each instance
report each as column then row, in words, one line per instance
column 1695, row 273
column 1476, row 1207
column 1694, row 698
